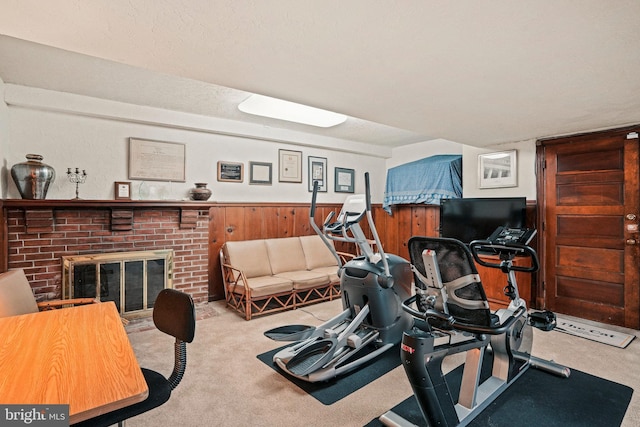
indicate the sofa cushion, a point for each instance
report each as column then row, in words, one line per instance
column 250, row 256
column 304, row 279
column 332, row 272
column 285, row 255
column 266, row 285
column 316, row 252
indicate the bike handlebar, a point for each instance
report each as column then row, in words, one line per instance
column 510, row 249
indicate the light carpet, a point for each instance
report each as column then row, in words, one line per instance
column 226, row 385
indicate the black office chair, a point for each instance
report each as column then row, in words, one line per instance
column 173, row 314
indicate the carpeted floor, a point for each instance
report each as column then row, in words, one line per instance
column 227, row 385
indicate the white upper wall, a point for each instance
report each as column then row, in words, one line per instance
column 525, row 155
column 4, row 142
column 92, row 134
column 525, row 165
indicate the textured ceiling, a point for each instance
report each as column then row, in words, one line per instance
column 479, row 73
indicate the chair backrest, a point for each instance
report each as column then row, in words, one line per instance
column 466, row 299
column 174, row 314
column 16, row 296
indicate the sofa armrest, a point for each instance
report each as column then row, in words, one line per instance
column 233, row 277
column 345, row 257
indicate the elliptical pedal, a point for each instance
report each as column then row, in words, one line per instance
column 311, row 357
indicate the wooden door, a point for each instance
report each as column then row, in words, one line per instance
column 589, row 214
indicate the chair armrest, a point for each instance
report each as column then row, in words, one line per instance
column 345, row 256
column 58, row 303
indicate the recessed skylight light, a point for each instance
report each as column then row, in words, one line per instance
column 265, row 106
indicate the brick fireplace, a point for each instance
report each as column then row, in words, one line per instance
column 39, row 233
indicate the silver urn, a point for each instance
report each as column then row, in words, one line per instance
column 33, row 177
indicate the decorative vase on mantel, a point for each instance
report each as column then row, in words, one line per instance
column 33, row 177
column 200, row 192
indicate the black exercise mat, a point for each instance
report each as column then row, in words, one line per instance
column 329, row 392
column 541, row 399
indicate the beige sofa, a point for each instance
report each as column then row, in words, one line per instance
column 269, row 275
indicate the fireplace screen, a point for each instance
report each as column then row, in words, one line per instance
column 132, row 280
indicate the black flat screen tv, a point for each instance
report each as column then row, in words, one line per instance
column 469, row 219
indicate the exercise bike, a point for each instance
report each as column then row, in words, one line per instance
column 452, row 316
column 373, row 286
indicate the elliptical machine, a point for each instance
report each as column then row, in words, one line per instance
column 373, row 286
column 453, row 316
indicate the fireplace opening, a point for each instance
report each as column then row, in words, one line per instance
column 132, row 280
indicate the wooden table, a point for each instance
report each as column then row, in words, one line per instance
column 79, row 356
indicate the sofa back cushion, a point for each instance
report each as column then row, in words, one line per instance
column 316, row 253
column 285, row 254
column 250, row 256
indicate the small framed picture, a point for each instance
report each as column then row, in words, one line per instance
column 122, row 190
column 344, row 180
column 290, row 168
column 496, row 170
column 230, row 172
column 259, row 173
column 318, row 172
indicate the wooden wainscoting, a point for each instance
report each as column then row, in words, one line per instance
column 228, row 222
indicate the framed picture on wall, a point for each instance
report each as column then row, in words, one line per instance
column 156, row 160
column 344, row 180
column 259, row 173
column 318, row 172
column 230, row 172
column 290, row 166
column 499, row 169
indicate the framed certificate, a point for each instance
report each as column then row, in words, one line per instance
column 122, row 190
column 290, row 166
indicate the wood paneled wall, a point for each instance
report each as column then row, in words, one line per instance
column 263, row 221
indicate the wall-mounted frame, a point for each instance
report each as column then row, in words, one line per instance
column 497, row 170
column 344, row 180
column 230, row 172
column 318, row 172
column 156, row 160
column 290, row 166
column 122, row 190
column 260, row 173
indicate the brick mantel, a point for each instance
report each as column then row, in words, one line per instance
column 37, row 233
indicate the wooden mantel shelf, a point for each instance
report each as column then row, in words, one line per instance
column 106, row 204
column 39, row 214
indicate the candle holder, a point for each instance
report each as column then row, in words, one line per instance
column 77, row 178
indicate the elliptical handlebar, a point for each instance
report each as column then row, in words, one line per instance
column 509, row 250
column 354, row 209
column 451, row 321
column 385, row 281
column 312, row 221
